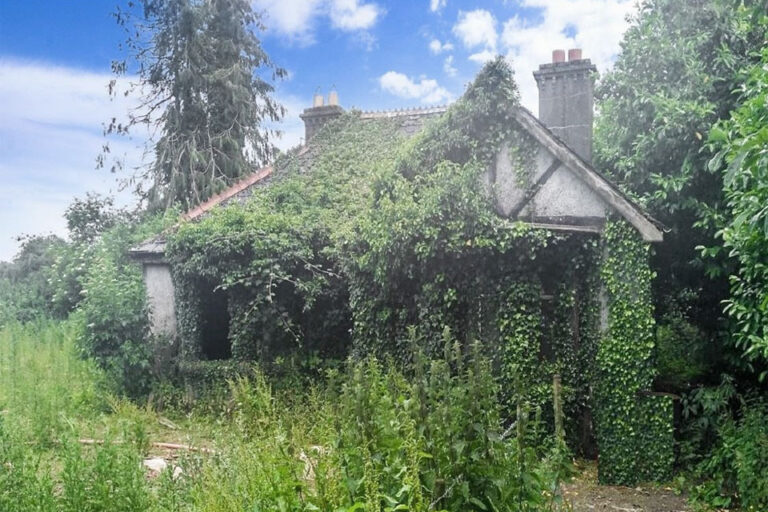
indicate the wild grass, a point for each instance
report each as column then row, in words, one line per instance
column 370, row 438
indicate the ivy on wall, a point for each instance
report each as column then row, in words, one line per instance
column 277, row 257
column 547, row 322
column 656, row 438
column 624, row 365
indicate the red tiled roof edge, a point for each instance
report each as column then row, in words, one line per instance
column 235, row 189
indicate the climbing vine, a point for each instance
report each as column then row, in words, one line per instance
column 624, row 363
column 276, row 258
column 433, row 219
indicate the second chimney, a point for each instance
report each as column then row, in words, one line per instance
column 566, row 99
column 319, row 114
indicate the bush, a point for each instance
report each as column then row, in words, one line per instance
column 113, row 309
column 684, row 354
column 115, row 325
column 736, row 470
column 25, row 292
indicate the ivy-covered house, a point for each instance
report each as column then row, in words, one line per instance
column 392, row 231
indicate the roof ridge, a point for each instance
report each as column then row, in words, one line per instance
column 403, row 111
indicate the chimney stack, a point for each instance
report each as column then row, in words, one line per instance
column 333, row 97
column 566, row 99
column 319, row 114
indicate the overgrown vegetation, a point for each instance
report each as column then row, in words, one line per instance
column 627, row 421
column 686, row 67
column 396, row 247
column 742, row 144
column 369, row 439
column 391, row 250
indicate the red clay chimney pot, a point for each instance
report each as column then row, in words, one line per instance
column 558, row 56
column 574, row 54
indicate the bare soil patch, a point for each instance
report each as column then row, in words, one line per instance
column 586, row 495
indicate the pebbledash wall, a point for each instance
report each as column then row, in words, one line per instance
column 160, row 298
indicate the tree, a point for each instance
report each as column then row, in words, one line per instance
column 206, row 85
column 742, row 142
column 25, row 291
column 679, row 63
column 89, row 217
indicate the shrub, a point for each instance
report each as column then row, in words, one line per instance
column 113, row 308
column 683, row 354
column 735, row 472
column 115, row 324
column 25, row 292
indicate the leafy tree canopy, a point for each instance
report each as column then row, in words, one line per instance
column 679, row 65
column 742, row 144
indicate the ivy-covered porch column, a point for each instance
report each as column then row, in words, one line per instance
column 633, row 426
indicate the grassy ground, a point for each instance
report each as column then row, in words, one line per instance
column 252, row 450
column 68, row 445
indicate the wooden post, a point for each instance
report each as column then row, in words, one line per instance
column 558, row 407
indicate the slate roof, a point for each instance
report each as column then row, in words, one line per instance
column 410, row 122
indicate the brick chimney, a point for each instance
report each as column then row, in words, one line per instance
column 319, row 114
column 566, row 99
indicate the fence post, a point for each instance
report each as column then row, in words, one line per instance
column 558, row 407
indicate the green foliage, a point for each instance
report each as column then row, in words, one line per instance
column 381, row 441
column 277, row 258
column 520, row 331
column 728, row 451
column 742, row 144
column 113, row 308
column 655, row 438
column 21, row 487
column 25, row 291
column 624, row 365
column 372, row 438
column 89, row 217
column 683, row 354
column 679, row 65
column 110, row 477
column 321, row 248
column 70, row 386
column 432, row 219
column 87, row 220
column 205, row 83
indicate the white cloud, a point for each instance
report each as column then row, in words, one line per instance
column 351, row 15
column 291, row 18
column 296, row 19
column 477, row 29
column 483, row 56
column 436, row 47
column 50, row 135
column 426, row 90
column 448, row 66
column 597, row 27
column 436, row 5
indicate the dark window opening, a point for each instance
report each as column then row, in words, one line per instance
column 215, row 325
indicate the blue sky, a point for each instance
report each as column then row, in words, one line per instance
column 55, row 57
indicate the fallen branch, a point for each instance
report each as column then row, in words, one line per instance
column 167, row 446
column 173, row 446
